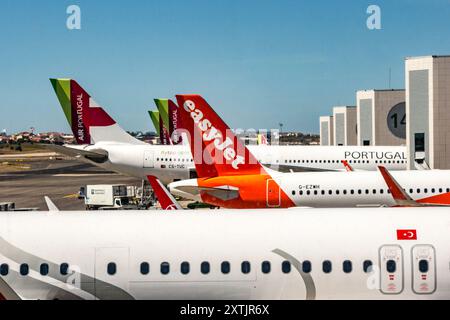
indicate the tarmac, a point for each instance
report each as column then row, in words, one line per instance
column 26, row 181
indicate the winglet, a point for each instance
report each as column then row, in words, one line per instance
column 399, row 195
column 50, row 205
column 347, row 166
column 166, row 200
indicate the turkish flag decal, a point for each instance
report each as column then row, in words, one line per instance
column 406, row 234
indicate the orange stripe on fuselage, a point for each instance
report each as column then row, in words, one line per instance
column 252, row 192
column 442, row 199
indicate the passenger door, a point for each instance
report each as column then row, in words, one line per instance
column 149, row 159
column 424, row 269
column 273, row 194
column 391, row 273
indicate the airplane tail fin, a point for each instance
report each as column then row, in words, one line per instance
column 166, row 200
column 88, row 121
column 215, row 148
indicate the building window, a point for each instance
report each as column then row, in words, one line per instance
column 225, row 267
column 347, row 266
column 165, row 268
column 367, row 265
column 4, row 269
column 306, row 266
column 286, row 267
column 145, row 268
column 245, row 267
column 184, row 267
column 24, row 269
column 64, row 269
column 326, row 266
column 265, row 267
column 204, row 267
column 43, row 269
column 111, row 268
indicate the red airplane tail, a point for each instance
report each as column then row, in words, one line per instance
column 215, row 148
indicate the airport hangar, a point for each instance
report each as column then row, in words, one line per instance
column 418, row 116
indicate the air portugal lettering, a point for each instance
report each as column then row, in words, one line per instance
column 80, row 113
column 210, row 133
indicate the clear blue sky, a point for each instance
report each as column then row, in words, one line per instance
column 257, row 62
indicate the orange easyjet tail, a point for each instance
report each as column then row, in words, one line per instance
column 215, row 148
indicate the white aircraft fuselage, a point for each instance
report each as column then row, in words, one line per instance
column 363, row 253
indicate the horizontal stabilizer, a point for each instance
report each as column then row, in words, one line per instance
column 97, row 155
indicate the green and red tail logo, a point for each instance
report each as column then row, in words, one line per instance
column 81, row 111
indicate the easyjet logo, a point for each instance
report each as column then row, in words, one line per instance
column 211, row 134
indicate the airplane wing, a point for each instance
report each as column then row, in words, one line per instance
column 96, row 155
column 223, row 192
column 166, row 200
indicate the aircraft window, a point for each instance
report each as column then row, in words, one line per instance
column 411, row 190
column 389, row 161
column 145, row 268
column 4, row 269
column 225, row 267
column 43, row 269
column 316, row 161
column 290, row 161
column 359, row 191
column 418, row 190
column 184, row 267
column 376, row 161
column 440, row 190
column 337, row 192
column 308, row 192
column 448, row 190
column 285, row 161
column 265, row 267
column 245, row 267
column 64, row 269
column 24, row 269
column 347, row 266
column 330, row 192
column 381, row 191
column 367, row 191
column 306, row 266
column 323, row 192
column 389, row 191
column 300, row 193
column 204, row 267
column 286, row 267
column 111, row 268
column 307, row 161
column 165, row 268
column 423, row 266
column 374, row 191
column 433, row 190
column 157, row 159
column 315, row 192
column 320, row 161
column 327, row 266
column 366, row 266
column 425, row 190
column 352, row 191
column 345, row 191
column 293, row 192
column 391, row 266
column 303, row 161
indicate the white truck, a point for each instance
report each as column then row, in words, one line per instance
column 107, row 196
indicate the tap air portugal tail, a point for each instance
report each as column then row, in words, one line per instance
column 90, row 124
column 215, row 148
column 166, row 200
